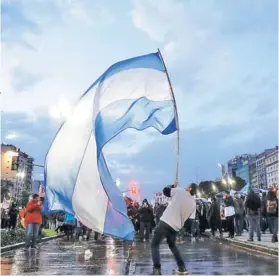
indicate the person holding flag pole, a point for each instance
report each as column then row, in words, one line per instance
column 178, row 211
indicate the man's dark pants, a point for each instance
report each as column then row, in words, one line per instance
column 239, row 223
column 163, row 230
column 147, row 226
column 230, row 225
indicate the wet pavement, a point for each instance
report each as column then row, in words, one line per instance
column 59, row 257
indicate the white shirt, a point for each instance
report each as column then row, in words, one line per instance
column 193, row 215
column 179, row 209
column 229, row 211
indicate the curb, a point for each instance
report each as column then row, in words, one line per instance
column 251, row 247
column 21, row 244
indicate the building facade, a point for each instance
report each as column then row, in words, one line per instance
column 160, row 198
column 243, row 171
column 261, row 168
column 17, row 167
column 271, row 164
column 253, row 175
column 236, row 164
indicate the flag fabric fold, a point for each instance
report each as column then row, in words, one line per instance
column 133, row 93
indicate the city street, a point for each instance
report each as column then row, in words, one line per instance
column 59, row 257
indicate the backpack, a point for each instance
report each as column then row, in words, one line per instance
column 271, row 207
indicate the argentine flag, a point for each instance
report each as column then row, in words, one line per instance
column 133, row 93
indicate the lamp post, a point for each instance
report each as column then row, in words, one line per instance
column 226, row 180
column 214, row 188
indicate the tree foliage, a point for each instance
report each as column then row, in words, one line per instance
column 25, row 197
column 210, row 188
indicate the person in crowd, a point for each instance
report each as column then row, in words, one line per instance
column 239, row 214
column 245, row 220
column 253, row 208
column 229, row 213
column 78, row 229
column 13, row 213
column 214, row 217
column 44, row 219
column 194, row 218
column 171, row 222
column 153, row 223
column 272, row 214
column 136, row 217
column 223, row 218
column 132, row 214
column 202, row 215
column 156, row 206
column 33, row 220
column 275, row 190
column 88, row 234
column 146, row 216
column 21, row 217
column 264, row 223
column 5, row 209
column 159, row 211
column 69, row 225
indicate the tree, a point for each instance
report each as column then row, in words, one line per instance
column 25, row 197
column 239, row 183
column 6, row 185
column 208, row 188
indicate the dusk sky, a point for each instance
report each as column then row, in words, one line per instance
column 221, row 57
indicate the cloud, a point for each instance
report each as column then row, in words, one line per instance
column 214, row 52
column 51, row 68
column 238, row 138
column 221, row 58
column 11, row 136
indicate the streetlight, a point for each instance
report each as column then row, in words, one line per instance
column 228, row 181
column 214, row 187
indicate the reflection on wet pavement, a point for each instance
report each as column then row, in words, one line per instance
column 59, row 257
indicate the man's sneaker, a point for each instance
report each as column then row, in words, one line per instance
column 259, row 239
column 157, row 271
column 250, row 240
column 181, row 270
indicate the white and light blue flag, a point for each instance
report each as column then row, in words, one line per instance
column 133, row 93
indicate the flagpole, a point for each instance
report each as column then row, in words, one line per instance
column 175, row 116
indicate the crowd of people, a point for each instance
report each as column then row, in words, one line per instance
column 253, row 212
column 234, row 214
column 145, row 217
